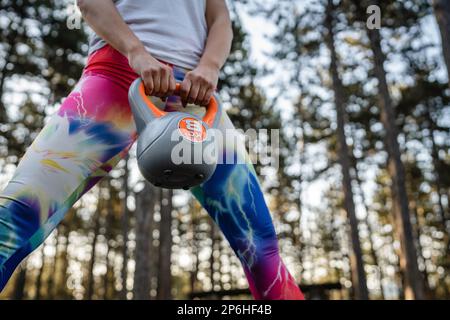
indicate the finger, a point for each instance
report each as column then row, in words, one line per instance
column 185, row 89
column 208, row 97
column 193, row 94
column 148, row 83
column 157, row 84
column 172, row 84
column 165, row 82
column 201, row 95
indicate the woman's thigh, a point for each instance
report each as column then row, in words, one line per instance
column 234, row 199
column 77, row 147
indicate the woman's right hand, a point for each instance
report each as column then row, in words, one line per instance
column 103, row 17
column 157, row 77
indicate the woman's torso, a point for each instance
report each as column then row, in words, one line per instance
column 174, row 31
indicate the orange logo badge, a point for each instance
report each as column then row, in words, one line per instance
column 192, row 129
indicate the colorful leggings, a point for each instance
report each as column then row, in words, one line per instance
column 86, row 138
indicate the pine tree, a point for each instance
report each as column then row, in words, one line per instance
column 144, row 214
column 165, row 245
column 442, row 12
column 408, row 259
column 356, row 259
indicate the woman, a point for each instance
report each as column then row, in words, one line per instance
column 162, row 42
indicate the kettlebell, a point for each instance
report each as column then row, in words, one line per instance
column 175, row 150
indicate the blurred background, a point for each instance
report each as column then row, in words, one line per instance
column 360, row 200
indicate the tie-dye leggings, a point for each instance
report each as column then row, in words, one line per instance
column 86, row 138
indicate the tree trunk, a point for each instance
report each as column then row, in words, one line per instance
column 125, row 226
column 442, row 13
column 356, row 259
column 298, row 240
column 373, row 253
column 107, row 274
column 417, row 230
column 145, row 206
column 165, row 246
column 107, row 225
column 222, row 283
column 19, row 286
column 212, row 235
column 91, row 278
column 3, row 75
column 194, row 246
column 413, row 281
column 37, row 296
column 440, row 185
column 51, row 278
column 61, row 287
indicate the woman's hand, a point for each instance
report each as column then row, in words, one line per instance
column 103, row 17
column 199, row 85
column 157, row 77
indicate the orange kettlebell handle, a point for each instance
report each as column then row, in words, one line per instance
column 211, row 109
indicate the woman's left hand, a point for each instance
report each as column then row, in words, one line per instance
column 199, row 85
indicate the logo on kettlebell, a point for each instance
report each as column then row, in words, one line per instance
column 192, row 129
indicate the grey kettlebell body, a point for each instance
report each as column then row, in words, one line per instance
column 175, row 150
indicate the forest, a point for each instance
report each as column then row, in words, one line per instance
column 360, row 197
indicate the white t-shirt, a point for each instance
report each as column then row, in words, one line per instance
column 173, row 31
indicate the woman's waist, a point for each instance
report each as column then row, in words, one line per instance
column 110, row 62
